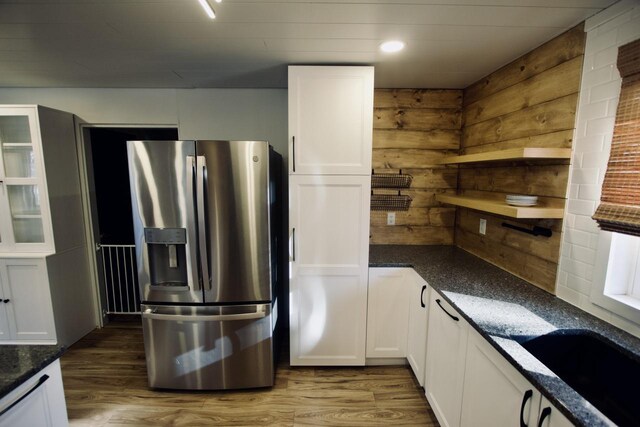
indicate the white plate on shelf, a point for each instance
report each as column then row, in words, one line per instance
column 521, row 203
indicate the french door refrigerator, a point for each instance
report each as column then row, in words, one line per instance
column 207, row 218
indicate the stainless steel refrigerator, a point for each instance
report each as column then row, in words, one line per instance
column 207, row 232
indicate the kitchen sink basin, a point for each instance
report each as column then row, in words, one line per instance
column 605, row 374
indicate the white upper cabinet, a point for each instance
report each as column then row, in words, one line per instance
column 40, row 202
column 330, row 120
column 24, row 225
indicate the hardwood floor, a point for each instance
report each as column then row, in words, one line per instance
column 105, row 384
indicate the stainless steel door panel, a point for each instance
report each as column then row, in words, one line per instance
column 208, row 348
column 237, row 213
column 162, row 175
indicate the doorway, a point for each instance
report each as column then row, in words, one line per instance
column 111, row 215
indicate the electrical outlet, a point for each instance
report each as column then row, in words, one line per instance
column 391, row 218
column 483, row 226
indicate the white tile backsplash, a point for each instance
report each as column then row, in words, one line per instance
column 599, row 92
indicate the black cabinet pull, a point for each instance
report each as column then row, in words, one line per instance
column 544, row 414
column 293, row 152
column 424, row 288
column 293, row 244
column 6, row 300
column 24, row 396
column 527, row 395
column 445, row 310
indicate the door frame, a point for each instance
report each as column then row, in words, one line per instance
column 82, row 132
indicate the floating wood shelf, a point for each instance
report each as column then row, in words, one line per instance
column 501, row 207
column 511, row 154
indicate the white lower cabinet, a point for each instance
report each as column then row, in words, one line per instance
column 495, row 393
column 470, row 384
column 446, row 351
column 387, row 315
column 38, row 402
column 417, row 331
column 27, row 312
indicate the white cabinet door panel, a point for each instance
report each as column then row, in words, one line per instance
column 29, row 310
column 495, row 393
column 387, row 315
column 446, row 353
column 417, row 332
column 329, row 220
column 330, row 120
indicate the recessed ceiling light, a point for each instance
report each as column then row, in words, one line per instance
column 392, row 46
column 207, row 8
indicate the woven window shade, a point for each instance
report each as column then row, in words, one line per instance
column 619, row 208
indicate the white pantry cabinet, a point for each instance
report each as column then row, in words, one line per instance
column 330, row 120
column 495, row 393
column 43, row 253
column 446, row 352
column 26, row 301
column 417, row 331
column 38, row 402
column 387, row 314
column 329, row 255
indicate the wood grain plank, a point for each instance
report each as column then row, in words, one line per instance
column 420, row 198
column 547, row 117
column 559, row 139
column 549, row 180
column 411, row 235
column 365, row 417
column 398, row 158
column 416, row 119
column 556, row 51
column 441, row 217
column 435, row 139
column 428, row 178
column 559, row 81
column 547, row 248
column 534, row 270
column 417, row 98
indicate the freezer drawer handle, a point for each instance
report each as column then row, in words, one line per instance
column 41, row 381
column 445, row 310
column 206, row 318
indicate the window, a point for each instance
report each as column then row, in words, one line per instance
column 617, row 275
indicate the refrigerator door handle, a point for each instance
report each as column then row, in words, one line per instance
column 203, row 318
column 201, row 171
column 191, row 223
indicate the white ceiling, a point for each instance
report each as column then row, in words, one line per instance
column 172, row 43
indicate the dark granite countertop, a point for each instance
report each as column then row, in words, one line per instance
column 501, row 306
column 18, row 363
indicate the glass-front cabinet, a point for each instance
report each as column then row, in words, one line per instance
column 24, row 224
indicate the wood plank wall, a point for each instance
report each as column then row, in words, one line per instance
column 413, row 129
column 530, row 102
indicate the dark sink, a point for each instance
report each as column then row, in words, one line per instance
column 605, row 374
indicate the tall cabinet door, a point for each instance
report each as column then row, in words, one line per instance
column 29, row 310
column 329, row 225
column 23, row 198
column 330, row 120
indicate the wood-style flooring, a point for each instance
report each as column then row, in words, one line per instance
column 105, row 384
